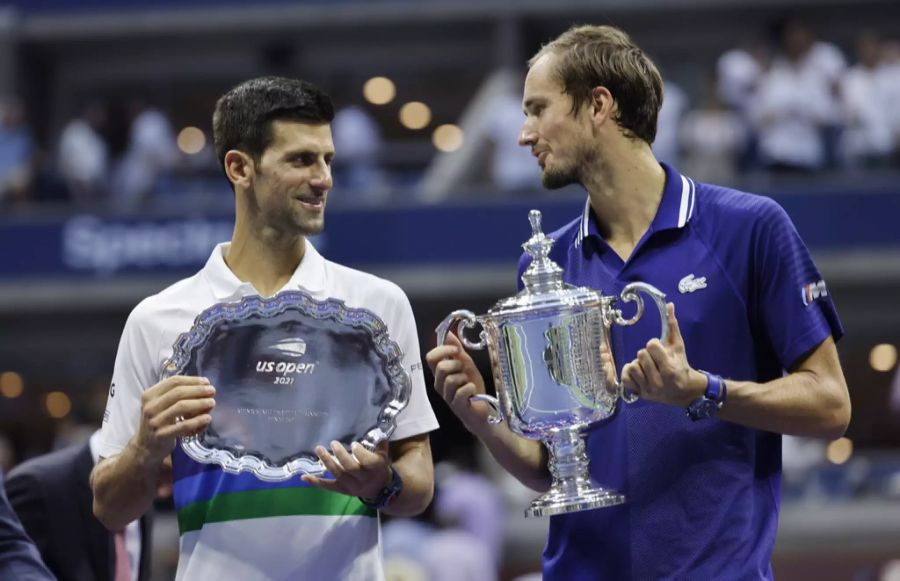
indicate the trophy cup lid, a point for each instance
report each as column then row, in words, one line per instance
column 544, row 286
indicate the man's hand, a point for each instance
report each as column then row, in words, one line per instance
column 362, row 473
column 175, row 407
column 661, row 372
column 456, row 379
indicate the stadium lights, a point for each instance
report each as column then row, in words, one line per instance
column 883, row 357
column 379, row 90
column 11, row 384
column 57, row 404
column 447, row 138
column 191, row 140
column 839, row 451
column 415, row 115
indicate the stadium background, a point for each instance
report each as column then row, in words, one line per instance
column 427, row 212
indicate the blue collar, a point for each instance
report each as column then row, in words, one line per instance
column 675, row 209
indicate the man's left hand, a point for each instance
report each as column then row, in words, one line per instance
column 362, row 473
column 661, row 371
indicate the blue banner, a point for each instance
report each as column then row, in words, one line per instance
column 460, row 234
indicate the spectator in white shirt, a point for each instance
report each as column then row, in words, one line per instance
column 868, row 139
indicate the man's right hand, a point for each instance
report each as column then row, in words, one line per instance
column 456, row 379
column 175, row 407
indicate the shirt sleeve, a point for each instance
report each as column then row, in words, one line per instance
column 132, row 374
column 794, row 307
column 417, row 417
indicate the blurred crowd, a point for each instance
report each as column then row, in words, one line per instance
column 786, row 103
column 791, row 105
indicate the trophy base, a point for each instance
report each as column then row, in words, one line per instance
column 559, row 502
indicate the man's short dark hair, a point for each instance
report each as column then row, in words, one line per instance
column 244, row 115
column 593, row 56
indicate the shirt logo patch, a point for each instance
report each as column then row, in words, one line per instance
column 812, row 291
column 690, row 284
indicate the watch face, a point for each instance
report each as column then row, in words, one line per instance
column 702, row 408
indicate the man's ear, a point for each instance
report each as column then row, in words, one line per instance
column 603, row 105
column 239, row 168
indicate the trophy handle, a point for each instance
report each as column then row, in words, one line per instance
column 467, row 320
column 629, row 294
column 494, row 418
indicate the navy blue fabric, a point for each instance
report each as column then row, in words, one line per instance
column 19, row 558
column 702, row 497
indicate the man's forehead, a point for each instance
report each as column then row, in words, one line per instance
column 293, row 133
column 540, row 82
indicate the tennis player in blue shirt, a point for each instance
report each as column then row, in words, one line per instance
column 751, row 350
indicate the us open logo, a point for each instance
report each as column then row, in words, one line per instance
column 292, row 348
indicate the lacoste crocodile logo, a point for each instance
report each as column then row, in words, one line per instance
column 690, row 284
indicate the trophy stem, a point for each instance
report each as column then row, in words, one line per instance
column 572, row 489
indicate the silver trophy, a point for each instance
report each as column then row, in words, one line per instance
column 291, row 372
column 553, row 368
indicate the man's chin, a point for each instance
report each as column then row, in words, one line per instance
column 554, row 180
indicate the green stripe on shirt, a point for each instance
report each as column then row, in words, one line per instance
column 268, row 503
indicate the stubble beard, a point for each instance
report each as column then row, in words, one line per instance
column 554, row 178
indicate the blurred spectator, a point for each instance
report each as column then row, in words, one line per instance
column 891, row 79
column 738, row 74
column 19, row 558
column 819, row 62
column 668, row 123
column 150, row 155
column 53, row 499
column 713, row 137
column 17, row 153
column 358, row 176
column 456, row 555
column 468, row 501
column 867, row 140
column 83, row 154
column 795, row 107
column 512, row 167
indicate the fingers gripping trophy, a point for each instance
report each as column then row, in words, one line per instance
column 554, row 369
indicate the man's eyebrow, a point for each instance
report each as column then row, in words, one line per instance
column 531, row 102
column 304, row 150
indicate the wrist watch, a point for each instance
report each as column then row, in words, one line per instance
column 391, row 491
column 711, row 401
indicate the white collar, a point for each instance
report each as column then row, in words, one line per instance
column 309, row 275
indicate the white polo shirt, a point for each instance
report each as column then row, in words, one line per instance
column 237, row 526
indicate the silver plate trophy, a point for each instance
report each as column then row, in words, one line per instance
column 553, row 368
column 291, row 372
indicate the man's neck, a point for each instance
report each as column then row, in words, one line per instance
column 625, row 195
column 265, row 260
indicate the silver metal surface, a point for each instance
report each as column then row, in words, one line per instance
column 554, row 370
column 291, row 372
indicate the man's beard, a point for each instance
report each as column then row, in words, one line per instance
column 556, row 178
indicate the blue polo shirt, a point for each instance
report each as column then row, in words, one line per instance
column 702, row 497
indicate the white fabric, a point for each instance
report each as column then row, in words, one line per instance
column 737, row 75
column 791, row 107
column 83, row 155
column 866, row 103
column 146, row 344
column 512, row 166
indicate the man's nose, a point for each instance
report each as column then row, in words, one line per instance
column 322, row 176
